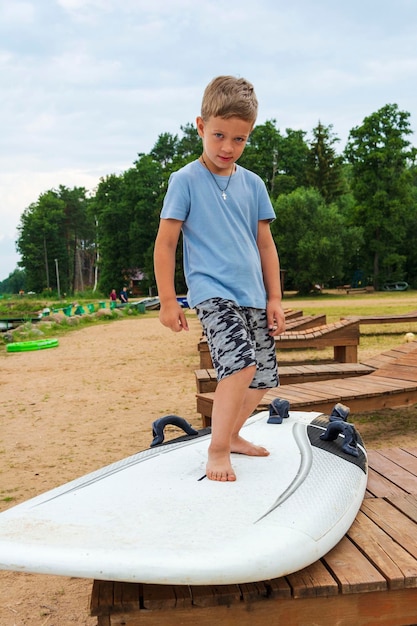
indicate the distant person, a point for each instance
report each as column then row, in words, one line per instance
column 113, row 295
column 124, row 296
column 230, row 263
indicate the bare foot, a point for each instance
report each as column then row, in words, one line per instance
column 219, row 467
column 242, row 446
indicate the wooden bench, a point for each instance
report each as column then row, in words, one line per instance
column 206, row 380
column 369, row 578
column 343, row 336
column 353, row 290
column 291, row 314
column 393, row 384
column 305, row 321
column 401, row 318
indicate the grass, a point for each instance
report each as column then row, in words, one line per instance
column 58, row 324
column 388, row 427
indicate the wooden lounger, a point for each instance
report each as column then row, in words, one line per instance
column 343, row 336
column 290, row 374
column 401, row 318
column 391, row 385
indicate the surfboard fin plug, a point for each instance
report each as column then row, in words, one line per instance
column 158, row 427
column 278, row 410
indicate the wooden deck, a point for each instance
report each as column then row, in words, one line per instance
column 393, row 384
column 343, row 336
column 368, row 579
column 206, row 379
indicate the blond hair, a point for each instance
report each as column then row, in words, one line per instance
column 227, row 96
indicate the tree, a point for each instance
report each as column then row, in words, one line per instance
column 292, row 162
column 261, row 152
column 280, row 160
column 79, row 238
column 324, row 167
column 127, row 210
column 313, row 240
column 189, row 146
column 165, row 149
column 379, row 153
column 40, row 240
column 56, row 231
column 14, row 283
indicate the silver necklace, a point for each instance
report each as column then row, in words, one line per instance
column 224, row 194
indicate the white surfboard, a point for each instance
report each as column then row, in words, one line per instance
column 153, row 518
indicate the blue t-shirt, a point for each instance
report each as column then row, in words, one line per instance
column 221, row 257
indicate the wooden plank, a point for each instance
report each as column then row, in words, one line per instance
column 314, row 580
column 304, row 322
column 352, row 570
column 398, row 372
column 213, row 595
column 395, row 608
column 158, row 597
column 391, row 355
column 278, row 588
column 401, row 457
column 393, row 522
column 101, row 597
column 381, row 487
column 407, row 504
column 127, row 596
column 183, row 596
column 252, row 592
column 386, row 319
column 397, row 566
column 292, row 314
column 397, row 475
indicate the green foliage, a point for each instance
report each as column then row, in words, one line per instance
column 279, row 160
column 127, row 211
column 313, row 239
column 54, row 232
column 379, row 153
column 324, row 167
column 14, row 283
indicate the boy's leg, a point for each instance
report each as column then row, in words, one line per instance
column 233, row 404
column 243, row 354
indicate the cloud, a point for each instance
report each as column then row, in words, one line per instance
column 87, row 84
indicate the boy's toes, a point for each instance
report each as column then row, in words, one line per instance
column 221, row 476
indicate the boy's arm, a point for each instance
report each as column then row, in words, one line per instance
column 272, row 281
column 171, row 313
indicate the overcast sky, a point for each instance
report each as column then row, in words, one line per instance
column 87, row 84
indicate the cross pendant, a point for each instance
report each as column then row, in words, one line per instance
column 224, row 196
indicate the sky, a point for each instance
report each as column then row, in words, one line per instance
column 86, row 85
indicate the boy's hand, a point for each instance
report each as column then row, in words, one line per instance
column 276, row 317
column 172, row 316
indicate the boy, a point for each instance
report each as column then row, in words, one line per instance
column 230, row 263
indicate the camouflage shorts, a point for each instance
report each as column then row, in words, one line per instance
column 238, row 338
